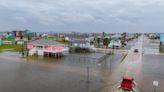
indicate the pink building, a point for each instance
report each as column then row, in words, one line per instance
column 46, row 47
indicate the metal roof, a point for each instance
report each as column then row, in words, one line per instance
column 78, row 40
column 45, row 42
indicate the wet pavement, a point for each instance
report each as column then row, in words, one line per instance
column 145, row 68
column 152, row 69
column 69, row 74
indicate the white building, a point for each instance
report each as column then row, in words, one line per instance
column 46, row 47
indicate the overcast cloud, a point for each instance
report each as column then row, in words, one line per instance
column 83, row 15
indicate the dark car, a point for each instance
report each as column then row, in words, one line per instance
column 136, row 50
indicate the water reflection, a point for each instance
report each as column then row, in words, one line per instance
column 50, row 75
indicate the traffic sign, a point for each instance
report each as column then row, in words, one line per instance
column 155, row 83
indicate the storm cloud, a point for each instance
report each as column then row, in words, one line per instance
column 83, row 15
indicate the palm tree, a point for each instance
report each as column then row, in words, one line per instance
column 106, row 42
column 98, row 41
column 29, row 38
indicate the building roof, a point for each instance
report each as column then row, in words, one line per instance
column 78, row 40
column 45, row 42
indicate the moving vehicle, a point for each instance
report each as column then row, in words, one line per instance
column 136, row 50
column 127, row 83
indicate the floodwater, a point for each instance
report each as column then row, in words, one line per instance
column 72, row 73
column 68, row 74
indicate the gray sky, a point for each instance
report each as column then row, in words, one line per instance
column 83, row 15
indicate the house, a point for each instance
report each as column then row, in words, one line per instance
column 46, row 47
column 18, row 40
column 8, row 36
column 0, row 40
column 116, row 37
column 7, row 42
column 115, row 44
column 81, row 43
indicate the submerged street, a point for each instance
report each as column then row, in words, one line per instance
column 81, row 46
column 70, row 73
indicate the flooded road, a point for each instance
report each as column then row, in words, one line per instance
column 49, row 75
column 70, row 73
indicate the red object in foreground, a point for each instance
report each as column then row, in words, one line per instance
column 127, row 83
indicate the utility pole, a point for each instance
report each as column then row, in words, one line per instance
column 21, row 37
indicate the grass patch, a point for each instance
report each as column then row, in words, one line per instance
column 12, row 47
